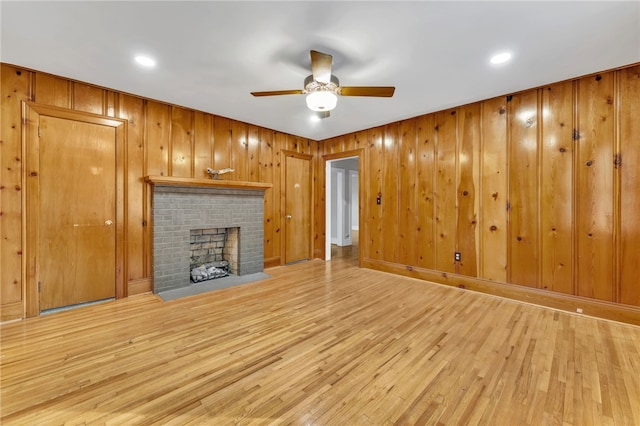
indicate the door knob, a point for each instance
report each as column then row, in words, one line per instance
column 288, row 216
column 108, row 222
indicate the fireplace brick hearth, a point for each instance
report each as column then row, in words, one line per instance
column 178, row 210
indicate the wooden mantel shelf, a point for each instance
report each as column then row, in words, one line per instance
column 206, row 183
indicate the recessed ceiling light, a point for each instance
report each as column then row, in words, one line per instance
column 501, row 58
column 145, row 61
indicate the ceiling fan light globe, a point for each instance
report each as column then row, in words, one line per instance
column 321, row 101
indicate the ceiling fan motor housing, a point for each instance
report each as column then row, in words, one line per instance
column 311, row 85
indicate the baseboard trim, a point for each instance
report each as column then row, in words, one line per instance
column 271, row 262
column 590, row 307
column 12, row 311
column 139, row 286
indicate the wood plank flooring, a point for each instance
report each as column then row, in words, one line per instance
column 320, row 343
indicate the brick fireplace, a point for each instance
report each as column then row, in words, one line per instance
column 203, row 205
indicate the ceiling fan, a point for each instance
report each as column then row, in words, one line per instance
column 322, row 88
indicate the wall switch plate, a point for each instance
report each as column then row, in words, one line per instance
column 457, row 256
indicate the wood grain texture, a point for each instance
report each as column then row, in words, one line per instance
column 568, row 303
column 594, row 180
column 630, row 185
column 494, row 196
column 88, row 98
column 239, row 150
column 468, row 189
column 33, row 266
column 319, row 204
column 132, row 110
column 144, row 153
column 51, row 90
column 268, row 175
column 425, row 160
column 181, row 142
column 210, row 183
column 298, row 211
column 320, row 343
column 374, row 244
column 253, row 154
column 445, row 189
column 158, row 133
column 162, row 139
column 203, row 145
column 556, row 189
column 528, row 191
column 352, row 141
column 523, row 251
column 407, row 207
column 16, row 86
column 221, row 143
column 390, row 192
column 77, row 247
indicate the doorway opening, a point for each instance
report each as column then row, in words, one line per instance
column 342, row 208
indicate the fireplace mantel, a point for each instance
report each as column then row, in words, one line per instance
column 206, row 183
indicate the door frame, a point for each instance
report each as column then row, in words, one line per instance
column 31, row 113
column 327, row 158
column 343, row 212
column 283, row 202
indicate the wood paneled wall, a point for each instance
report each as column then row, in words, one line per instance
column 539, row 189
column 162, row 139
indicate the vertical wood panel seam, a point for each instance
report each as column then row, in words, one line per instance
column 416, row 194
column 125, row 196
column 508, row 119
column 146, row 196
column 480, row 195
column 212, row 154
column 456, row 229
column 23, row 205
column 170, row 144
column 574, row 193
column 434, row 197
column 192, row 143
column 617, row 188
column 539, row 171
column 70, row 94
column 105, row 102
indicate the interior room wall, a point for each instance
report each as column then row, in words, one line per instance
column 162, row 139
column 538, row 190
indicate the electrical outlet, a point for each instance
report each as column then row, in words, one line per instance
column 379, row 200
column 579, row 310
column 457, row 256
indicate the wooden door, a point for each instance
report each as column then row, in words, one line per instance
column 297, row 222
column 74, row 219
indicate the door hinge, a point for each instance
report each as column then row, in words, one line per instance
column 39, row 134
column 39, row 287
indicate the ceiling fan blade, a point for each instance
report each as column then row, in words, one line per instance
column 278, row 92
column 379, row 91
column 321, row 66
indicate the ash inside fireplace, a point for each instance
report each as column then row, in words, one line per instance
column 210, row 271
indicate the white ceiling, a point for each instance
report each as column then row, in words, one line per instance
column 211, row 54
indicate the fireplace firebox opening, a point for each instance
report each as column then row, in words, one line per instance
column 213, row 253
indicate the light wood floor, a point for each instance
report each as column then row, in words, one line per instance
column 320, row 343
